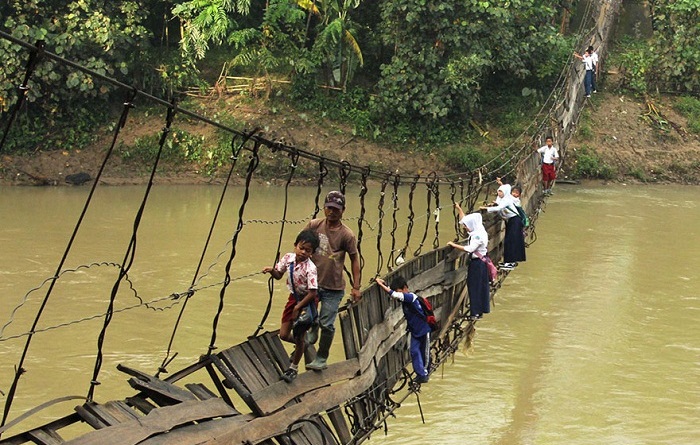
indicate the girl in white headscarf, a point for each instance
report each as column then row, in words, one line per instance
column 477, row 274
column 514, row 241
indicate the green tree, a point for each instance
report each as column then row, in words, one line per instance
column 106, row 37
column 336, row 42
column 277, row 45
column 207, row 21
column 676, row 36
column 446, row 53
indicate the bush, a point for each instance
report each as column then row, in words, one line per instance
column 690, row 108
column 587, row 164
column 465, row 159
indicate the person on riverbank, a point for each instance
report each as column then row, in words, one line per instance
column 550, row 155
column 594, row 75
column 336, row 241
column 587, row 60
column 514, row 241
column 416, row 324
column 302, row 283
column 477, row 274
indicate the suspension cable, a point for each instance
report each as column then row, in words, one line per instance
column 235, row 151
column 270, row 281
column 252, row 166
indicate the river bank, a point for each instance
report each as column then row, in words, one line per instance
column 637, row 140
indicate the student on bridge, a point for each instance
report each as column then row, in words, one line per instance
column 514, row 241
column 303, row 284
column 550, row 155
column 477, row 274
column 336, row 240
column 416, row 325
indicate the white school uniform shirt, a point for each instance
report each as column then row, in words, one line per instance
column 588, row 62
column 478, row 237
column 594, row 59
column 550, row 154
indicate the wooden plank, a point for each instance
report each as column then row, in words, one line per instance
column 258, row 357
column 238, row 362
column 139, row 403
column 111, row 413
column 219, row 385
column 204, row 361
column 90, row 418
column 275, row 396
column 314, row 402
column 45, row 437
column 349, row 345
column 339, row 423
column 276, row 349
column 160, row 391
column 200, row 432
column 232, row 381
column 157, row 421
column 201, row 391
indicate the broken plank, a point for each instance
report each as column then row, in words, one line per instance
column 275, row 396
column 159, row 420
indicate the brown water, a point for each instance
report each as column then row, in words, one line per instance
column 593, row 340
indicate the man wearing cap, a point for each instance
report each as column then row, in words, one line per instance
column 336, row 240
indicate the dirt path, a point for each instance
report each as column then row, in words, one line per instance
column 641, row 141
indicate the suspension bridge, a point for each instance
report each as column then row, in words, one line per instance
column 234, row 394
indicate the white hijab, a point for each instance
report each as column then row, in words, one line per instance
column 478, row 237
column 507, row 197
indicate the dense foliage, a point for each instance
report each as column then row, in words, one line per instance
column 106, row 37
column 391, row 67
column 670, row 59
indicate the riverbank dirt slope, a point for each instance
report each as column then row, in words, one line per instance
column 641, row 140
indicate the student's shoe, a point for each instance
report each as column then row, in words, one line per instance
column 318, row 364
column 289, row 375
column 422, row 379
column 595, row 91
column 508, row 266
column 588, row 95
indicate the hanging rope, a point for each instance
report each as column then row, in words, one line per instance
column 344, row 173
column 380, row 208
column 436, row 191
column 235, row 152
column 19, row 369
column 35, row 57
column 429, row 188
column 411, row 217
column 271, row 281
column 128, row 256
column 252, row 165
column 395, row 205
column 322, row 173
column 455, row 214
column 361, row 219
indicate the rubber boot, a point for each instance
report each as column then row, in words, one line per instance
column 324, row 347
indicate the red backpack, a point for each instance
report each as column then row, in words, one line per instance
column 429, row 314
